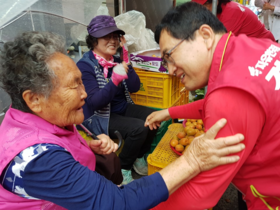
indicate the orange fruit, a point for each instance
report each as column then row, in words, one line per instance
column 191, row 132
column 181, row 135
column 198, row 134
column 190, row 138
column 199, row 126
column 188, row 123
column 193, row 120
column 174, row 142
column 179, row 148
column 184, row 141
column 200, row 122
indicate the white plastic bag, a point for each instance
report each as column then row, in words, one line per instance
column 102, row 9
column 137, row 36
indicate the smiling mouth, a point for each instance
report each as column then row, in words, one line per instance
column 182, row 76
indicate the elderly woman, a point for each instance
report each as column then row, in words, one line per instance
column 46, row 164
column 109, row 107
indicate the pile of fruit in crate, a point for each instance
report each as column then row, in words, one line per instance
column 192, row 129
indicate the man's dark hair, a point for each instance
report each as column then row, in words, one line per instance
column 91, row 42
column 182, row 21
column 219, row 6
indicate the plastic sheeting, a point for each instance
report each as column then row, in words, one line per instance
column 58, row 16
column 138, row 37
column 11, row 8
column 65, row 17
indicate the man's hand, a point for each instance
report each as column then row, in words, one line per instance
column 154, row 119
column 104, row 146
column 206, row 152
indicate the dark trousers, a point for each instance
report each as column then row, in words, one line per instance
column 109, row 166
column 138, row 139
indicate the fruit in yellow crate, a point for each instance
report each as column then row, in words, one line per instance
column 198, row 134
column 181, row 135
column 190, row 138
column 189, row 127
column 184, row 141
column 200, row 122
column 191, row 132
column 199, row 127
column 179, row 148
column 188, row 123
column 174, row 142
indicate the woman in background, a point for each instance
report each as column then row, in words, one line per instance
column 108, row 81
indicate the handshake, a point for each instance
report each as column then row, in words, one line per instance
column 119, row 73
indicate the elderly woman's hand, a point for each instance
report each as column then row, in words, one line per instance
column 103, row 146
column 206, row 152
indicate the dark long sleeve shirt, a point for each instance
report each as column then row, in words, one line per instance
column 98, row 98
column 52, row 174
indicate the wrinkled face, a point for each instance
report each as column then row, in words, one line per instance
column 191, row 60
column 107, row 45
column 64, row 105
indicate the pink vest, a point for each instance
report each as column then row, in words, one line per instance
column 20, row 130
column 257, row 72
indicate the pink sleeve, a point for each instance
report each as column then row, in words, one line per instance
column 187, row 111
column 244, row 115
column 125, row 53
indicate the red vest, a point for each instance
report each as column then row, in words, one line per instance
column 253, row 65
column 21, row 130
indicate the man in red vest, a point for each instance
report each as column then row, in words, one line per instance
column 243, row 78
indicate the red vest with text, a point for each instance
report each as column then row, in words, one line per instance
column 253, row 65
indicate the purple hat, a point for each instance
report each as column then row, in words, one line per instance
column 102, row 25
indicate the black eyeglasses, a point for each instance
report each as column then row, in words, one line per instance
column 167, row 59
column 108, row 37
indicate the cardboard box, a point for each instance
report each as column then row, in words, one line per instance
column 148, row 60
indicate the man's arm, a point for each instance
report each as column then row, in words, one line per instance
column 244, row 115
column 190, row 111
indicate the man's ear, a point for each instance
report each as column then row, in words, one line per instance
column 208, row 35
column 33, row 101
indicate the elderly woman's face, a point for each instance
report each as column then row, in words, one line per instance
column 64, row 105
column 108, row 44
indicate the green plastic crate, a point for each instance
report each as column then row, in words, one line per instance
column 160, row 133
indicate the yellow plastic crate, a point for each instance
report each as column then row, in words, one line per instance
column 163, row 154
column 158, row 90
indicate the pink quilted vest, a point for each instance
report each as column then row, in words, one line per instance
column 20, row 130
